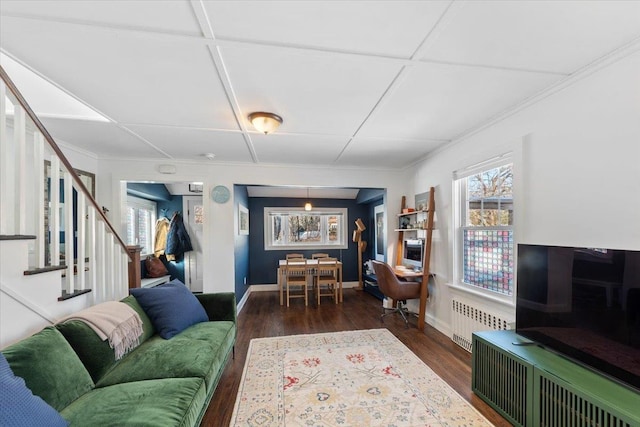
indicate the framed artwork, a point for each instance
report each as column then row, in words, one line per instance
column 378, row 212
column 422, row 201
column 243, row 220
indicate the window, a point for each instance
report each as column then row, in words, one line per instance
column 485, row 226
column 295, row 228
column 141, row 220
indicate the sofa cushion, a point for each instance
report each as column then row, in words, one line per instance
column 171, row 307
column 199, row 351
column 49, row 367
column 97, row 355
column 21, row 408
column 166, row 402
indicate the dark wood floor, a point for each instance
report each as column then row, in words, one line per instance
column 262, row 316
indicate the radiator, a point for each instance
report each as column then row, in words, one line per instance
column 466, row 319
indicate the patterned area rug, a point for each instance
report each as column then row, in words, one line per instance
column 354, row 378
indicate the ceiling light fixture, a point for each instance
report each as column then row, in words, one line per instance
column 307, row 206
column 265, row 122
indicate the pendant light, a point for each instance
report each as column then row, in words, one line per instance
column 307, row 206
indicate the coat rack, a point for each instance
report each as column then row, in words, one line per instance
column 362, row 246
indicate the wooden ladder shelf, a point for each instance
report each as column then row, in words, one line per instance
column 428, row 227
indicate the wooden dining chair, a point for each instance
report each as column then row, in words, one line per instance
column 292, row 256
column 326, row 279
column 317, row 255
column 296, row 276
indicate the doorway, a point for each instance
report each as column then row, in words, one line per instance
column 163, row 200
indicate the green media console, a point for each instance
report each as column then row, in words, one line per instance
column 534, row 387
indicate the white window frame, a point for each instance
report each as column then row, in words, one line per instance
column 152, row 207
column 460, row 204
column 342, row 242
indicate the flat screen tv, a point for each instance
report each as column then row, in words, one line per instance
column 583, row 303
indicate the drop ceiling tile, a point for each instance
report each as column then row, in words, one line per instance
column 105, row 139
column 313, row 93
column 385, row 153
column 394, row 28
column 131, row 78
column 559, row 36
column 174, row 17
column 298, row 149
column 442, row 101
column 191, row 144
column 44, row 98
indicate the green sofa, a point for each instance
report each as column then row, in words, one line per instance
column 159, row 383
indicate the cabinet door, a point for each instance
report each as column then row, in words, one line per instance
column 561, row 403
column 503, row 381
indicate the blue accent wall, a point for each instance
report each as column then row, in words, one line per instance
column 241, row 249
column 263, row 265
column 370, row 195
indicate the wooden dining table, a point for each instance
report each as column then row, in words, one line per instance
column 312, row 266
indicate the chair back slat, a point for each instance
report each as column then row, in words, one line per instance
column 319, row 255
column 327, row 267
column 296, row 267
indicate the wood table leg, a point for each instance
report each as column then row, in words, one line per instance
column 340, row 275
column 424, row 294
column 280, row 287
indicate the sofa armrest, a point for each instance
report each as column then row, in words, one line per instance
column 219, row 306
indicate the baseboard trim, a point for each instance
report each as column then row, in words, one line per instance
column 269, row 287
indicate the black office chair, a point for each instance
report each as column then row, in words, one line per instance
column 398, row 290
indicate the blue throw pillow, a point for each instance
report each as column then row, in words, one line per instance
column 171, row 307
column 21, row 408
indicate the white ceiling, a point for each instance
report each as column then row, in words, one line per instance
column 358, row 83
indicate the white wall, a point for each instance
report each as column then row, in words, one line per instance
column 79, row 159
column 219, row 229
column 576, row 172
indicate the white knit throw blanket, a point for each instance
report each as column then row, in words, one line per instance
column 115, row 321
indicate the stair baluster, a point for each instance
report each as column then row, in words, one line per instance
column 38, row 167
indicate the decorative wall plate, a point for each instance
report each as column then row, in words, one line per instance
column 220, row 194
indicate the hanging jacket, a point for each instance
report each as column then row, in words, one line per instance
column 162, row 230
column 178, row 241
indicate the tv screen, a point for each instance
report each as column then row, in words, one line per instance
column 583, row 303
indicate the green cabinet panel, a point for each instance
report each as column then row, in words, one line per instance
column 531, row 386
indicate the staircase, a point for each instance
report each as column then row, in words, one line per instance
column 58, row 251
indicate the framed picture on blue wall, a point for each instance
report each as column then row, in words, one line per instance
column 379, row 232
column 243, row 220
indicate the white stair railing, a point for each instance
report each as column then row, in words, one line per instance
column 33, row 204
